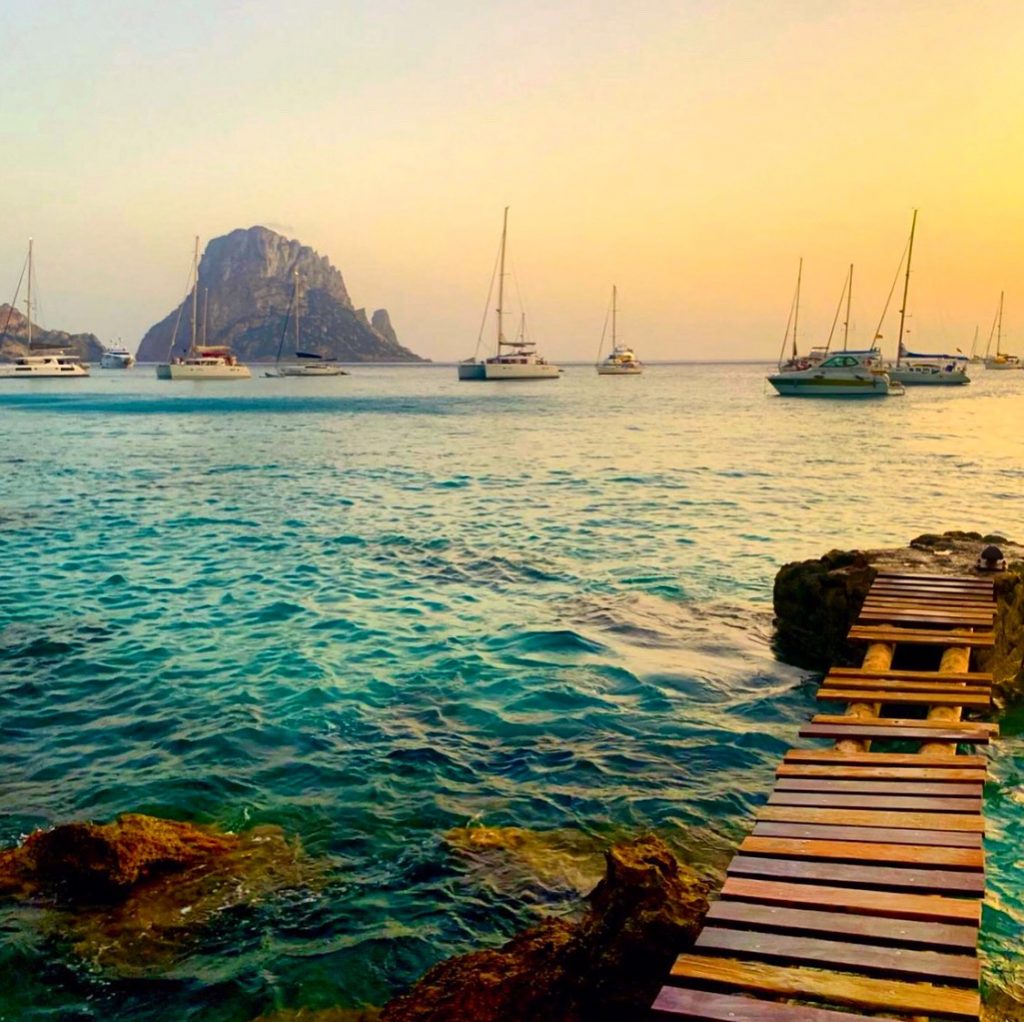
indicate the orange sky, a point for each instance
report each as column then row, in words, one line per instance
column 690, row 153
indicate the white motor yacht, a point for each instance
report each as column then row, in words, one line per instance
column 841, row 375
column 118, row 357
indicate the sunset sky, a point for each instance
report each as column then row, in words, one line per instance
column 690, row 152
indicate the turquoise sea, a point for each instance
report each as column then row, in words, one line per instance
column 373, row 610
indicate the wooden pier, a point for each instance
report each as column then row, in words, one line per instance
column 858, row 893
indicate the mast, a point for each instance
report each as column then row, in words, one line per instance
column 195, row 290
column 28, row 300
column 615, row 292
column 999, row 327
column 206, row 305
column 974, row 346
column 849, row 295
column 296, row 300
column 796, row 307
column 906, row 288
column 501, row 280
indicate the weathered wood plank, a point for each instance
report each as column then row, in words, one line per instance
column 704, row 1006
column 914, row 576
column 887, row 903
column 973, row 824
column 912, row 617
column 950, row 734
column 867, row 800
column 907, row 931
column 883, row 599
column 902, row 867
column 894, row 773
column 905, row 685
column 965, row 725
column 953, row 790
column 921, row 636
column 858, row 991
column 880, row 835
column 911, row 759
column 971, row 677
column 803, row 950
column 896, row 697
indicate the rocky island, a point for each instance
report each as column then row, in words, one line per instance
column 246, row 283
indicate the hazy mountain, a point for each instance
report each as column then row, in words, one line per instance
column 246, row 279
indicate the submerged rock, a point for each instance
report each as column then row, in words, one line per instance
column 817, row 601
column 609, row 965
column 131, row 896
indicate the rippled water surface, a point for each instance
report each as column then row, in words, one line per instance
column 374, row 610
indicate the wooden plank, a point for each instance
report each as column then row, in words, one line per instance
column 955, row 790
column 913, row 759
column 894, row 773
column 894, row 696
column 858, row 991
column 971, row 677
column 882, row 835
column 906, row 685
column 924, row 601
column 706, row 1006
column 803, row 950
column 950, row 734
column 921, row 636
column 876, row 617
column 890, row 904
column 902, row 866
column 728, row 912
column 944, row 725
column 973, row 824
column 915, row 576
column 868, row 800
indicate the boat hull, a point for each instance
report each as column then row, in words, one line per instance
column 604, row 370
column 109, row 361
column 871, row 387
column 310, row 370
column 197, row 372
column 939, row 378
column 16, row 372
column 508, row 371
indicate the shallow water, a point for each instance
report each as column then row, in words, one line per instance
column 375, row 609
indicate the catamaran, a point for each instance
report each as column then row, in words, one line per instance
column 307, row 363
column 621, row 360
column 46, row 363
column 1000, row 360
column 203, row 361
column 513, row 360
column 914, row 369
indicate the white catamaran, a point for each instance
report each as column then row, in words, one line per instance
column 307, row 363
column 203, row 361
column 52, row 363
column 513, row 360
column 918, row 369
column 621, row 360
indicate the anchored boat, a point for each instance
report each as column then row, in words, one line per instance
column 118, row 357
column 513, row 360
column 621, row 360
column 307, row 363
column 203, row 361
column 1000, row 360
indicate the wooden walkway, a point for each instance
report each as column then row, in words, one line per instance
column 858, row 893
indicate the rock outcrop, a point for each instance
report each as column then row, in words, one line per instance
column 609, row 965
column 14, row 338
column 246, row 283
column 817, row 601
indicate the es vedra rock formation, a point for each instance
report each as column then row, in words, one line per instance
column 246, row 285
column 14, row 338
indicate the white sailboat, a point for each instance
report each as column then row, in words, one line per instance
column 203, row 361
column 1000, row 360
column 53, row 363
column 513, row 360
column 307, row 363
column 621, row 360
column 919, row 369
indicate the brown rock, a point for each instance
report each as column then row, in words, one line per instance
column 607, row 966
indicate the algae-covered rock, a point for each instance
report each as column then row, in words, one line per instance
column 607, row 966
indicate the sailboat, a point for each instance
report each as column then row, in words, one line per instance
column 47, row 363
column 1000, row 360
column 203, row 361
column 844, row 374
column 621, row 360
column 309, row 363
column 513, row 360
column 914, row 369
